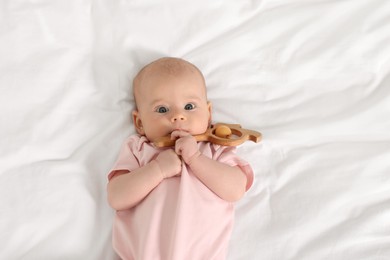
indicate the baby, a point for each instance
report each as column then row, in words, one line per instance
column 174, row 203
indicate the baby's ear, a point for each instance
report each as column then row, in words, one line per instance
column 138, row 123
column 210, row 107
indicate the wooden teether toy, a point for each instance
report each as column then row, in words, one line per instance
column 222, row 134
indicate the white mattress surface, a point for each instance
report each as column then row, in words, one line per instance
column 312, row 76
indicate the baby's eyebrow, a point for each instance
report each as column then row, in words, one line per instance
column 154, row 102
column 197, row 98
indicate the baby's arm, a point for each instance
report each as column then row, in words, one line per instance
column 125, row 190
column 226, row 181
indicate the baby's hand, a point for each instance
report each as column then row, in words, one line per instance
column 169, row 163
column 186, row 146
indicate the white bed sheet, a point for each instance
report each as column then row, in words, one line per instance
column 312, row 76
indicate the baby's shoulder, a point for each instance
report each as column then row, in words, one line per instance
column 215, row 149
column 136, row 142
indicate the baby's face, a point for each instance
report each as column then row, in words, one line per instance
column 171, row 102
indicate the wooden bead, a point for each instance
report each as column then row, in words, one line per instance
column 223, row 131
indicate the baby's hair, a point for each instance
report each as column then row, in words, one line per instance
column 167, row 65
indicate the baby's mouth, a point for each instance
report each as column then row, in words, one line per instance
column 180, row 129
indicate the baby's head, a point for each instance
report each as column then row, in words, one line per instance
column 170, row 94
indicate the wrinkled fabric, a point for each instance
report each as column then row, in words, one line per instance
column 312, row 76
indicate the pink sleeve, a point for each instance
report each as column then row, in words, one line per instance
column 127, row 159
column 227, row 154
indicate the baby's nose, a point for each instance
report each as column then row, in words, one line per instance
column 177, row 118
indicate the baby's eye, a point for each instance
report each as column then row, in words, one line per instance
column 189, row 106
column 162, row 110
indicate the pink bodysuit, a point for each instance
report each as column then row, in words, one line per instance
column 181, row 219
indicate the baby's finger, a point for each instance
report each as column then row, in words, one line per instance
column 178, row 134
column 178, row 147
